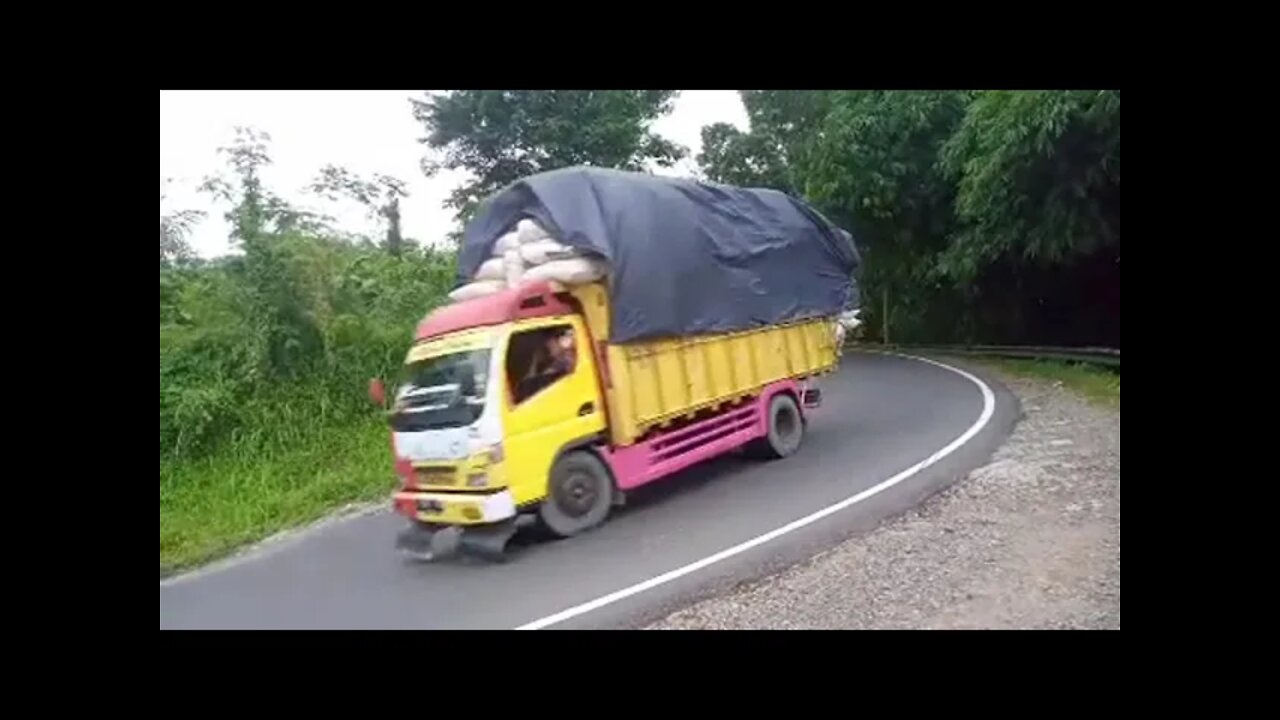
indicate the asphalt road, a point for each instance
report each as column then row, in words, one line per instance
column 882, row 415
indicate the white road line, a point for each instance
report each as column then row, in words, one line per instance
column 988, row 408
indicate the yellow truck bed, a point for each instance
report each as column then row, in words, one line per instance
column 650, row 384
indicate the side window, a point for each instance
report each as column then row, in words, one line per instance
column 538, row 358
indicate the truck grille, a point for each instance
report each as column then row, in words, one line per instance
column 435, row 475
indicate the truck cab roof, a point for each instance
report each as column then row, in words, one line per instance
column 529, row 300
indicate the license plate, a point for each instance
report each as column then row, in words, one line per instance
column 430, row 506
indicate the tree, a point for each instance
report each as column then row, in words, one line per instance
column 174, row 230
column 262, row 223
column 872, row 164
column 1037, row 176
column 380, row 197
column 981, row 215
column 255, row 212
column 733, row 157
column 500, row 136
column 783, row 123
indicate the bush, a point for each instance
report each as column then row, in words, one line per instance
column 261, row 352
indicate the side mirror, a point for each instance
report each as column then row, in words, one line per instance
column 377, row 392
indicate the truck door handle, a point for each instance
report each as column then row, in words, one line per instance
column 586, row 409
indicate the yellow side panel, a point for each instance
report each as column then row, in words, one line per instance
column 648, row 384
column 653, row 383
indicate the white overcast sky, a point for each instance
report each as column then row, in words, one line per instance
column 365, row 131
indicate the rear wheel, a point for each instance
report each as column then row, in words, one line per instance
column 786, row 430
column 579, row 496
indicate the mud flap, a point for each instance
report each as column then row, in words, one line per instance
column 488, row 541
column 427, row 542
column 811, row 398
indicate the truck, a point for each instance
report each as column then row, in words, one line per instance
column 552, row 402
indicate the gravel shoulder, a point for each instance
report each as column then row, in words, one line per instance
column 1029, row 541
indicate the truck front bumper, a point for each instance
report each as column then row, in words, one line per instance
column 455, row 508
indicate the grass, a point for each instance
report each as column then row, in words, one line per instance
column 211, row 507
column 1098, row 385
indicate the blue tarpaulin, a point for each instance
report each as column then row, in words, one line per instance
column 685, row 257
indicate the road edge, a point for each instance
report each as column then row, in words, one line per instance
column 276, row 542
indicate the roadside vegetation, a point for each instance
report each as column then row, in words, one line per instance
column 986, row 217
column 1099, row 385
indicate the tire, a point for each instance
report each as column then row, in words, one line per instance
column 579, row 495
column 786, row 430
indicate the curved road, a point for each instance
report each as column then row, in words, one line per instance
column 884, row 418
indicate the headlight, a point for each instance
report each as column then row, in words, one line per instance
column 477, row 479
column 476, row 447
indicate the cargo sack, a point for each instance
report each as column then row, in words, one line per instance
column 513, row 267
column 492, row 269
column 545, row 251
column 530, row 231
column 510, row 241
column 477, row 289
column 577, row 271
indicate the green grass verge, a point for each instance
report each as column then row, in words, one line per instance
column 1098, row 385
column 208, row 508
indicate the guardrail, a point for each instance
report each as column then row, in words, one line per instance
column 1109, row 357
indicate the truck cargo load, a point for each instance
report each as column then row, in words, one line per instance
column 684, row 257
column 653, row 384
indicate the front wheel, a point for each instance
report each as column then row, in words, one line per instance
column 786, row 430
column 579, row 497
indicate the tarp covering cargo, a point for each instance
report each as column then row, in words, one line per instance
column 684, row 257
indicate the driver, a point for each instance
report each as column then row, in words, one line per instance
column 554, row 359
column 561, row 354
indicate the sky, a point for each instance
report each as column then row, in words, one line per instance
column 365, row 131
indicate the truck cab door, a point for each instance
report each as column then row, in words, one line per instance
column 548, row 405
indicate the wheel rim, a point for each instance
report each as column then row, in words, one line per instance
column 577, row 494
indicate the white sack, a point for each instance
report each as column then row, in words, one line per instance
column 513, row 267
column 492, row 269
column 544, row 251
column 577, row 271
column 477, row 289
column 530, row 231
column 510, row 241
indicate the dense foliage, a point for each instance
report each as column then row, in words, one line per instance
column 261, row 348
column 983, row 216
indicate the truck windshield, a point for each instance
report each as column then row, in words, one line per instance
column 445, row 391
